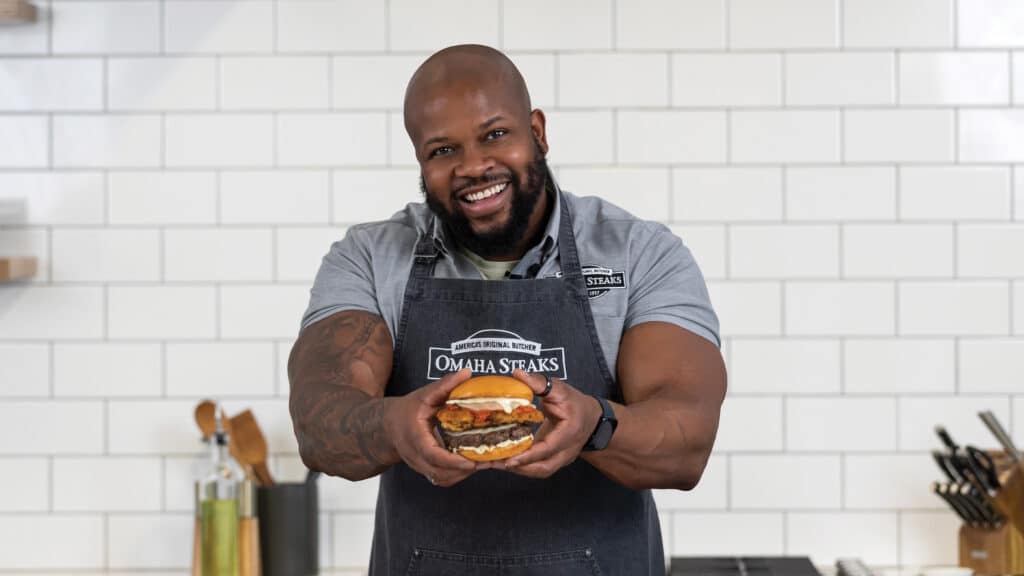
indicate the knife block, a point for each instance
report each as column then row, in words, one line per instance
column 990, row 551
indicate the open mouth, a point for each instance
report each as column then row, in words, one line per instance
column 485, row 193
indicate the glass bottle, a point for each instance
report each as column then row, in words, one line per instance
column 218, row 493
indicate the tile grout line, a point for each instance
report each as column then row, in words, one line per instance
column 273, row 254
column 956, row 364
column 842, row 481
column 557, row 71
column 841, row 24
column 388, row 160
column 726, row 18
column 387, row 26
column 612, row 35
column 671, row 192
column 163, row 369
column 783, row 70
column 842, row 365
column 49, row 495
column 956, row 24
column 501, row 24
column 615, row 137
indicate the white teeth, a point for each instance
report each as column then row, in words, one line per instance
column 486, row 193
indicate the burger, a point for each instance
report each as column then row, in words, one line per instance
column 489, row 418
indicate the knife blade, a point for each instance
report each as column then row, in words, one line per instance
column 999, row 432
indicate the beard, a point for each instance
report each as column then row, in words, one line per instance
column 501, row 240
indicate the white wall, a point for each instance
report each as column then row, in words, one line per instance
column 848, row 173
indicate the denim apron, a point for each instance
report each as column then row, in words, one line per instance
column 495, row 522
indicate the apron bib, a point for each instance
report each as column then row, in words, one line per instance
column 575, row 522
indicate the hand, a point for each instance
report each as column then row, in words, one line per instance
column 569, row 419
column 409, row 422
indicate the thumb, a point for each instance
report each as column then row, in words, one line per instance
column 436, row 393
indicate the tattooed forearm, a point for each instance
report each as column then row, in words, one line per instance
column 338, row 370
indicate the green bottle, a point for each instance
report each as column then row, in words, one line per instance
column 219, row 510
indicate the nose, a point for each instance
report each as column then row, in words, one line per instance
column 475, row 162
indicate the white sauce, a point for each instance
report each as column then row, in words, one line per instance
column 505, row 404
column 486, row 449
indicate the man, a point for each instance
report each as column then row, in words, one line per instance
column 502, row 272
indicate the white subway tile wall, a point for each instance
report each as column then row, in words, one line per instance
column 848, row 174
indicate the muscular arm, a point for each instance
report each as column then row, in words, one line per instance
column 338, row 370
column 673, row 383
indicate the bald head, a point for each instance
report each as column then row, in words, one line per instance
column 466, row 67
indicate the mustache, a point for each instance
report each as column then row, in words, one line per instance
column 460, row 184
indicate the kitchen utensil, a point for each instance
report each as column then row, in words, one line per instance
column 289, row 527
column 970, row 509
column 999, row 432
column 983, row 468
column 852, row 567
column 944, row 436
column 248, row 531
column 206, row 417
column 252, row 445
column 233, row 447
column 988, row 515
column 947, row 467
column 955, row 505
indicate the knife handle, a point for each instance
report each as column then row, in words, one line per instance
column 944, row 436
column 999, row 432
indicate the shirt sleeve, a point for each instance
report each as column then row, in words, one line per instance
column 344, row 281
column 668, row 286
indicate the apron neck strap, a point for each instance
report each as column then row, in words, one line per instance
column 427, row 252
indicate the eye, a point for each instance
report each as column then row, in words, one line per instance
column 496, row 133
column 439, row 151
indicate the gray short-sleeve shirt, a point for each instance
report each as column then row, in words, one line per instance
column 636, row 270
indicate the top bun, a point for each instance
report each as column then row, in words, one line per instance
column 492, row 387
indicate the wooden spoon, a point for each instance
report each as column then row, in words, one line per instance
column 252, row 445
column 206, row 418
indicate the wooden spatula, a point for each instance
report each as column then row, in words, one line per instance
column 251, row 445
column 206, row 418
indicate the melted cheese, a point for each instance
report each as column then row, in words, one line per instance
column 505, row 404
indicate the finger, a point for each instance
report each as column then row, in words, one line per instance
column 554, row 441
column 436, row 393
column 542, row 469
column 439, row 462
column 537, row 382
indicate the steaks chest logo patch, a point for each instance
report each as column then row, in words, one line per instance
column 496, row 352
column 600, row 280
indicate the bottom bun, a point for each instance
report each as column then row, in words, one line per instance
column 497, row 453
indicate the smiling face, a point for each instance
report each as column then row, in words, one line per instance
column 480, row 149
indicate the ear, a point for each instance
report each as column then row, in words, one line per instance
column 539, row 129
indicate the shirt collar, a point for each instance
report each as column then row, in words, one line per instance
column 442, row 240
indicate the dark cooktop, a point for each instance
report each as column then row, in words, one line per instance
column 742, row 566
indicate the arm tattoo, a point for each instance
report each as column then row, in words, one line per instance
column 338, row 369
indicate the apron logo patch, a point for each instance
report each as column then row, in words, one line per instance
column 495, row 351
column 601, row 280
